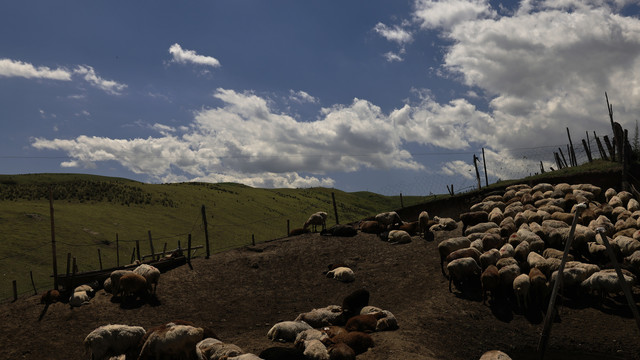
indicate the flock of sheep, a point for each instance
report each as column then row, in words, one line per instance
column 513, row 242
column 330, row 333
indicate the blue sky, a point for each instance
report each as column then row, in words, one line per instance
column 387, row 96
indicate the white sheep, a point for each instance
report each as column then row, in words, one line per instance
column 423, row 220
column 388, row 322
column 151, row 275
column 203, row 347
column 494, row 355
column 607, row 281
column 496, row 215
column 506, row 251
column 399, row 237
column 217, row 350
column 448, row 246
column 480, row 228
column 172, row 341
column 342, row 273
column 625, row 244
column 575, row 272
column 521, row 286
column 446, row 224
column 115, row 279
column 315, row 350
column 247, row 356
column 463, row 269
column 79, row 298
column 286, row 331
column 490, row 257
column 309, row 334
column 388, row 218
column 330, row 315
column 112, row 340
column 318, row 218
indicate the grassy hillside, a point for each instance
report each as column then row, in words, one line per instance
column 90, row 210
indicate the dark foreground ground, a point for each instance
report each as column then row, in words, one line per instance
column 241, row 293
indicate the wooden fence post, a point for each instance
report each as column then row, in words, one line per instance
column 53, row 241
column 541, row 167
column 206, row 231
column 15, row 290
column 603, row 154
column 484, row 162
column 68, row 274
column 587, row 150
column 117, row 251
column 475, row 164
column 563, row 159
column 335, row 208
column 288, row 232
column 401, row 202
column 572, row 152
column 133, row 256
column 189, row 252
column 612, row 150
column 164, row 250
column 253, row 240
column 153, row 253
column 138, row 249
column 100, row 259
column 35, row 291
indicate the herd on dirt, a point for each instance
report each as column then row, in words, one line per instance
column 511, row 247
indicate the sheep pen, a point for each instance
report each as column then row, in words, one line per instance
column 241, row 294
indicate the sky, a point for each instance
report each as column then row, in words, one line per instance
column 385, row 96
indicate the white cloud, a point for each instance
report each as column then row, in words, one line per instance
column 15, row 68
column 301, row 97
column 109, row 86
column 391, row 57
column 182, row 56
column 396, row 33
column 446, row 14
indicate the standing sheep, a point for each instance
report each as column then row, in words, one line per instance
column 113, row 340
column 319, row 218
column 448, row 246
column 490, row 280
column 462, row 270
column 521, row 287
column 390, row 218
column 151, row 275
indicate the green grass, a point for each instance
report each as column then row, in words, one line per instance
column 90, row 210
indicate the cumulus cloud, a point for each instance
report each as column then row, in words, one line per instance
column 446, row 14
column 301, row 97
column 109, row 86
column 391, row 57
column 396, row 33
column 183, row 56
column 15, row 68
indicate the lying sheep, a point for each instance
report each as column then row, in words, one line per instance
column 79, row 298
column 204, row 347
column 495, row 355
column 330, row 315
column 365, row 323
column 113, row 340
column 358, row 341
column 315, row 350
column 307, row 335
column 172, row 341
column 342, row 273
column 49, row 297
column 341, row 351
column 443, row 224
column 354, row 302
column 371, row 227
column 340, row 230
column 286, row 331
column 396, row 237
column 280, row 353
column 607, row 282
column 217, row 350
column 388, row 218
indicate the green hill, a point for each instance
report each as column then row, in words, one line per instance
column 90, row 210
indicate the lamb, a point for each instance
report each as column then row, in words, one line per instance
column 172, row 341
column 365, row 323
column 448, row 246
column 521, row 287
column 107, row 285
column 330, row 315
column 319, row 218
column 112, row 340
column 287, row 331
column 354, row 302
column 151, row 274
column 341, row 351
column 358, row 341
column 490, row 280
column 462, row 270
column 388, row 218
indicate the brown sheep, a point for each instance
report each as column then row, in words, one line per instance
column 334, row 330
column 462, row 253
column 354, row 302
column 490, row 280
column 372, row 227
column 49, row 297
column 365, row 323
column 341, row 351
column 132, row 284
column 358, row 341
column 412, row 228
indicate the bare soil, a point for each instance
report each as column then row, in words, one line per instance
column 241, row 293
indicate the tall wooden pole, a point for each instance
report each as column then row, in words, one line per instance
column 206, row 231
column 153, row 252
column 335, row 208
column 53, row 242
column 475, row 164
column 117, row 251
column 484, row 162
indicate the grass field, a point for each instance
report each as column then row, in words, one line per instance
column 90, row 210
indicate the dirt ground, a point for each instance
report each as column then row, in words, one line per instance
column 241, row 293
